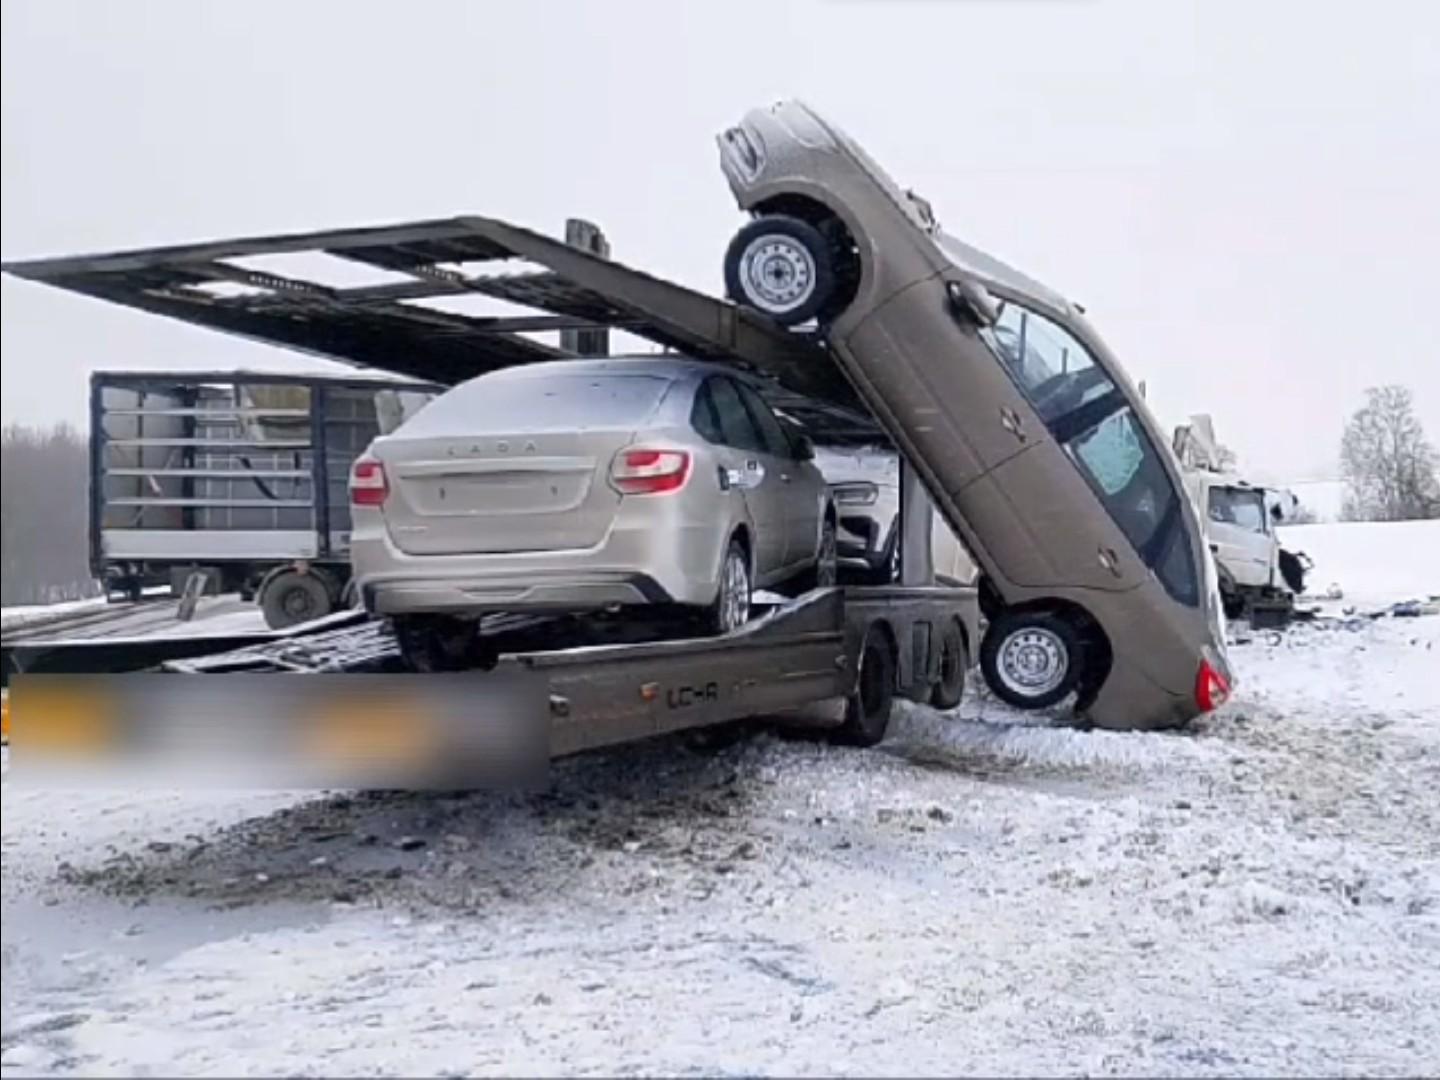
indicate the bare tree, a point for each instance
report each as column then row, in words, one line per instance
column 44, row 519
column 1389, row 466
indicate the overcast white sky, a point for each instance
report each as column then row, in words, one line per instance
column 1245, row 196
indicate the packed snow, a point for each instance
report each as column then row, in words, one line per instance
column 985, row 893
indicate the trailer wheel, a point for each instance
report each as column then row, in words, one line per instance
column 1031, row 659
column 949, row 689
column 292, row 597
column 867, row 709
column 782, row 266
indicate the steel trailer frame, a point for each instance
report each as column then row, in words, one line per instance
column 801, row 653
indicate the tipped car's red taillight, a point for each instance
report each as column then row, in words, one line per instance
column 368, row 486
column 642, row 471
column 1212, row 689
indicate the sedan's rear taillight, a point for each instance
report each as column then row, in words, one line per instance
column 1211, row 688
column 368, row 486
column 640, row 471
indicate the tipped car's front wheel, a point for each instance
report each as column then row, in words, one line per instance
column 782, row 266
column 1031, row 659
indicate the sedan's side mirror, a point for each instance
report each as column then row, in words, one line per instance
column 804, row 446
column 973, row 300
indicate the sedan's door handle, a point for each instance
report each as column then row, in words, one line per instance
column 1011, row 422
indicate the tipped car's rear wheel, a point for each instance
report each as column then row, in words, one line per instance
column 782, row 266
column 1031, row 659
column 731, row 608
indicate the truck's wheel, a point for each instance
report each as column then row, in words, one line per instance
column 1031, row 659
column 436, row 643
column 867, row 709
column 293, row 597
column 949, row 689
column 782, row 266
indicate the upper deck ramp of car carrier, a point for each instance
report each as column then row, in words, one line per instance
column 394, row 324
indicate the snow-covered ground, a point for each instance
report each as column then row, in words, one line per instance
column 983, row 894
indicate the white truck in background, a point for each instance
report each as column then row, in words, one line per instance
column 1259, row 579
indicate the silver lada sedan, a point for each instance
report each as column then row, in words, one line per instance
column 584, row 485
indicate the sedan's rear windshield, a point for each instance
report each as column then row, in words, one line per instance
column 572, row 402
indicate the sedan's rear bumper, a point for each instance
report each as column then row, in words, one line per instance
column 632, row 566
column 567, row 591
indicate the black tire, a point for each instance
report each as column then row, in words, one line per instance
column 292, row 597
column 718, row 618
column 797, row 251
column 433, row 643
column 867, row 709
column 825, row 571
column 1005, row 655
column 949, row 689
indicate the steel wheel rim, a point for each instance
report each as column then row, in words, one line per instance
column 778, row 273
column 1032, row 662
column 298, row 603
column 734, row 593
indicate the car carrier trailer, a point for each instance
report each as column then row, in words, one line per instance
column 864, row 645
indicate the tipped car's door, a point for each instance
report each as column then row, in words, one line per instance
column 931, row 368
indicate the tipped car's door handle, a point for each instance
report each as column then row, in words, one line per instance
column 1109, row 560
column 1011, row 422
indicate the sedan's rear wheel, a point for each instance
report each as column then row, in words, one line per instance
column 731, row 609
column 1031, row 659
column 431, row 643
column 782, row 266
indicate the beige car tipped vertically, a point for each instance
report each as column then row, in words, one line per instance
column 583, row 485
column 1026, row 430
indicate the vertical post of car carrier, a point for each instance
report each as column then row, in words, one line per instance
column 319, row 473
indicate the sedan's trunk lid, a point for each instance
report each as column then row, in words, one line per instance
column 513, row 464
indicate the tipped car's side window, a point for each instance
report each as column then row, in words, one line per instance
column 1053, row 369
column 1126, row 473
column 736, row 427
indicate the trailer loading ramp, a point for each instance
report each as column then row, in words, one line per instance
column 391, row 321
